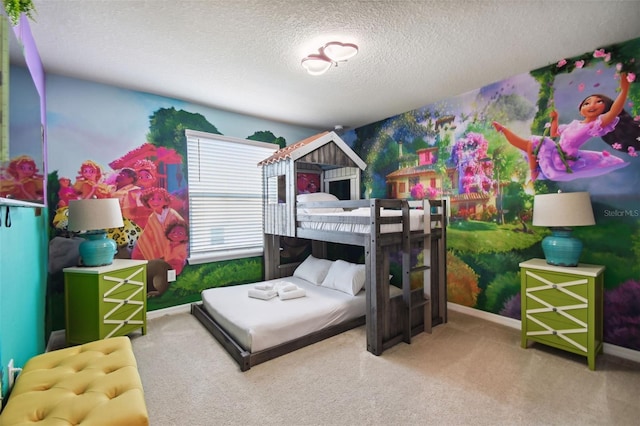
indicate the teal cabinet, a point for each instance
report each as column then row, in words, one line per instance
column 105, row 301
column 562, row 307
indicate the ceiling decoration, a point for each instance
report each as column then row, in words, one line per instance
column 329, row 55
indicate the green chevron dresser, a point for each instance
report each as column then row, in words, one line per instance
column 105, row 301
column 562, row 307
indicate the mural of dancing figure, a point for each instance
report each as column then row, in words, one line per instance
column 562, row 159
column 153, row 242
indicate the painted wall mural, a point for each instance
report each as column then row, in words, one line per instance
column 453, row 148
column 571, row 126
column 22, row 159
column 107, row 142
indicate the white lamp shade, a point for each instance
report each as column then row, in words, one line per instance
column 564, row 209
column 94, row 214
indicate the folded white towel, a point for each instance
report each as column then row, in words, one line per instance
column 293, row 294
column 282, row 284
column 262, row 294
column 288, row 287
column 264, row 286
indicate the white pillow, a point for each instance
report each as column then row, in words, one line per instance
column 318, row 196
column 313, row 270
column 345, row 277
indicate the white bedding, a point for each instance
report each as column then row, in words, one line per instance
column 260, row 324
column 416, row 218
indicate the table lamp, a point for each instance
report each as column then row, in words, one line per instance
column 561, row 212
column 95, row 216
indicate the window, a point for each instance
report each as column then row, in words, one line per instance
column 225, row 196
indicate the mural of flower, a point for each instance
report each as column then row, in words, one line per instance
column 599, row 53
column 417, row 192
column 432, row 192
column 474, row 167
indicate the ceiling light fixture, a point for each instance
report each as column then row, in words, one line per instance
column 330, row 54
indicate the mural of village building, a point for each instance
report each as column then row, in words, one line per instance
column 472, row 193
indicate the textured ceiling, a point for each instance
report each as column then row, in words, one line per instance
column 244, row 56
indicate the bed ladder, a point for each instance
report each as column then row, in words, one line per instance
column 408, row 242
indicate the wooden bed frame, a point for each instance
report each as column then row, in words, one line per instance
column 388, row 320
column 246, row 359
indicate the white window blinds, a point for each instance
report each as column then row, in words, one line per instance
column 225, row 196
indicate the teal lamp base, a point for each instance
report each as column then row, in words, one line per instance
column 97, row 249
column 561, row 249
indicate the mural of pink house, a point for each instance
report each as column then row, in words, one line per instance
column 425, row 180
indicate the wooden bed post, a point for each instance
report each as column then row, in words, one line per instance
column 271, row 256
column 406, row 273
column 374, row 296
column 442, row 263
column 428, row 271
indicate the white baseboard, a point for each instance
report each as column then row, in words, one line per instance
column 509, row 322
column 619, row 351
column 172, row 310
column 607, row 348
column 57, row 338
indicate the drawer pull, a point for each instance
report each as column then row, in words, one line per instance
column 555, row 309
column 554, row 332
column 127, row 322
column 126, row 301
column 125, row 281
column 554, row 286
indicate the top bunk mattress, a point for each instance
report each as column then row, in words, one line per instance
column 416, row 219
column 257, row 324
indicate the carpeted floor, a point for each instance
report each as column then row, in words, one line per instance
column 467, row 372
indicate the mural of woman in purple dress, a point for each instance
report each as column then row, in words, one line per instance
column 559, row 157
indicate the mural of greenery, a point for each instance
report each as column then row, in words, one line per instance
column 487, row 240
column 195, row 278
column 166, row 130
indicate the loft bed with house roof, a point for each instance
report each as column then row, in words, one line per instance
column 381, row 227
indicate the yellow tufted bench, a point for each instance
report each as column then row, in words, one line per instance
column 92, row 384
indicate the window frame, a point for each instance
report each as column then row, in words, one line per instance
column 203, row 190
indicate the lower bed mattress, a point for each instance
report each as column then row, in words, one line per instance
column 257, row 324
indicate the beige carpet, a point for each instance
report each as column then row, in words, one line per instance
column 468, row 372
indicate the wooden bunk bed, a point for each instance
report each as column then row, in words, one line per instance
column 381, row 227
column 390, row 320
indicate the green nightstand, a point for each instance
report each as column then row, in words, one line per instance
column 562, row 307
column 105, row 301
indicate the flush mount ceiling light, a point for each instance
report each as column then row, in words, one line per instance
column 316, row 64
column 328, row 55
